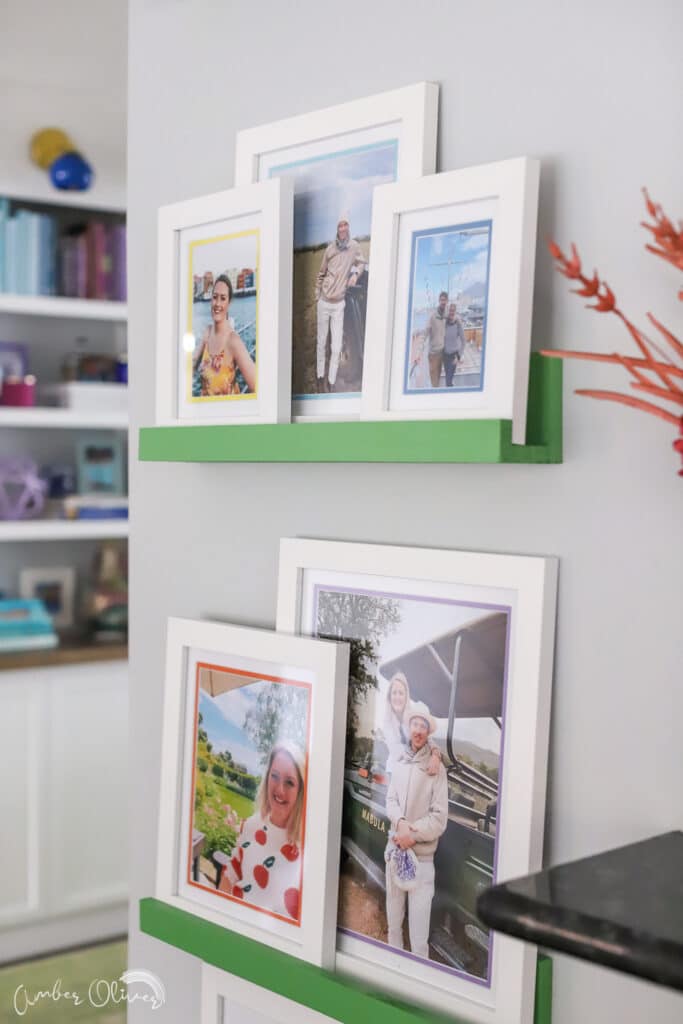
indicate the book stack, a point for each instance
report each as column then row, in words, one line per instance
column 41, row 254
column 95, row 506
column 25, row 625
column 27, row 252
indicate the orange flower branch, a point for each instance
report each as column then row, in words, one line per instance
column 667, row 371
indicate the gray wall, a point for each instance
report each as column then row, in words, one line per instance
column 593, row 90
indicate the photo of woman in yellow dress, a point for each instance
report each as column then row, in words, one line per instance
column 221, row 352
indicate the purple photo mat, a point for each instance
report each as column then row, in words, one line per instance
column 317, row 588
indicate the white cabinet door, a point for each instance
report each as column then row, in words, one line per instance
column 63, row 791
column 22, row 763
column 88, row 763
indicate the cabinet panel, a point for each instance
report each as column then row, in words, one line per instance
column 88, row 813
column 22, row 760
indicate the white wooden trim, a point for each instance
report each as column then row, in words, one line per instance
column 62, row 307
column 63, row 529
column 219, row 987
column 42, row 417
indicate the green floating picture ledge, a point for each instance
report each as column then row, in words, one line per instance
column 439, row 441
column 338, row 996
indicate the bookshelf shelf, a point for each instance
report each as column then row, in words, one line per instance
column 45, row 417
column 63, row 529
column 70, row 653
column 58, row 306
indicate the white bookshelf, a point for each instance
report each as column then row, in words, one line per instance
column 63, row 529
column 61, row 307
column 48, row 418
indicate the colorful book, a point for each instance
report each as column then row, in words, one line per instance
column 4, row 216
column 96, row 237
column 28, row 643
column 21, row 617
column 118, row 245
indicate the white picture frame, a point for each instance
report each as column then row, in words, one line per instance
column 263, row 211
column 323, row 668
column 499, row 203
column 225, row 997
column 32, row 580
column 525, row 588
column 409, row 115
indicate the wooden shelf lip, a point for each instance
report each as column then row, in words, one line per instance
column 414, row 441
column 60, row 306
column 67, row 654
column 63, row 529
column 336, row 995
column 60, row 418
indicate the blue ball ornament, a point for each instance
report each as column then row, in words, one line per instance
column 70, row 171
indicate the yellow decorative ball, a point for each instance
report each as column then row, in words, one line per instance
column 48, row 144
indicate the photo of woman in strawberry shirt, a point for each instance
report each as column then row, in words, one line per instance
column 265, row 867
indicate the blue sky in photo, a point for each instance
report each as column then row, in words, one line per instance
column 325, row 187
column 223, row 720
column 467, row 247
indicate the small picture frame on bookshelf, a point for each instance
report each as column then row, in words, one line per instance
column 55, row 587
column 13, row 360
column 99, row 465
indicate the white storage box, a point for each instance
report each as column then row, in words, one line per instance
column 89, row 396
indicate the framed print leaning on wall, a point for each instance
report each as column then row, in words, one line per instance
column 224, row 307
column 251, row 783
column 446, row 747
column 227, row 999
column 335, row 158
column 449, row 303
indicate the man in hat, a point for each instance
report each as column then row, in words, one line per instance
column 417, row 806
column 343, row 262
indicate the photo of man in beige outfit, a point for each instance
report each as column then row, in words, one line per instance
column 417, row 807
column 342, row 264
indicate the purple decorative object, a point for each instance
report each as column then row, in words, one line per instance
column 13, row 360
column 402, row 865
column 22, row 492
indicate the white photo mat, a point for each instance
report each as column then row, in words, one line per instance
column 325, row 667
column 266, row 211
column 506, row 193
column 408, row 115
column 527, row 587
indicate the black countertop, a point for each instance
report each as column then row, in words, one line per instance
column 622, row 909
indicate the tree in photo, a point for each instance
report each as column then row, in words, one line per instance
column 363, row 621
column 280, row 712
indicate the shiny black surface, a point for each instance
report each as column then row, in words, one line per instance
column 622, row 909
